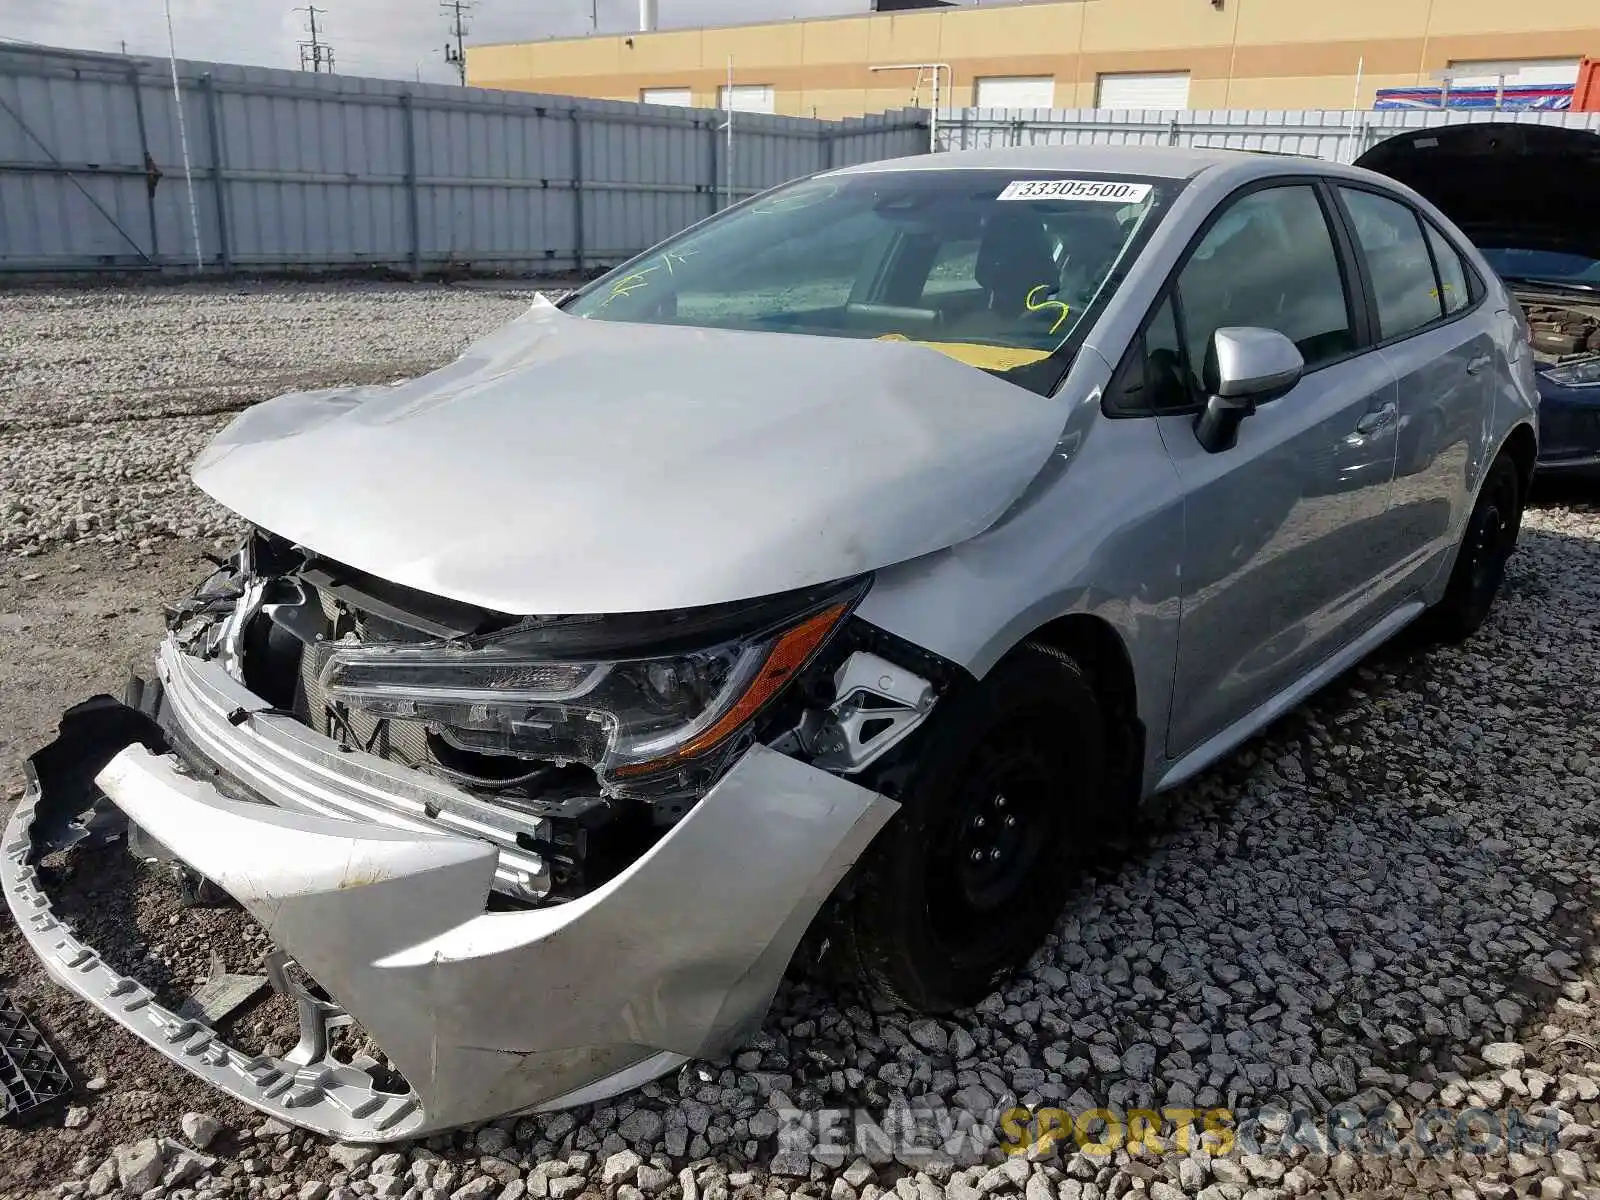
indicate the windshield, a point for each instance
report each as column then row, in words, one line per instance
column 1556, row 266
column 1002, row 270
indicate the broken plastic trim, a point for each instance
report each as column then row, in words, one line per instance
column 673, row 959
column 31, row 1076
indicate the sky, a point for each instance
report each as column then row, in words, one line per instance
column 394, row 38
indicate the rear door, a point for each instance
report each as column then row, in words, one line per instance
column 1434, row 330
column 1280, row 566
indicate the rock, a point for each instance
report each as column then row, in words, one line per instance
column 791, row 1164
column 183, row 1165
column 859, row 1172
column 929, row 1034
column 492, row 1140
column 652, row 1179
column 1568, row 1166
column 565, row 1186
column 1105, row 1060
column 312, row 1189
column 77, row 1117
column 1230, row 1170
column 641, row 1125
column 352, row 1157
column 480, row 1188
column 200, row 1130
column 621, row 1167
column 1504, row 1054
column 104, row 1178
column 1139, row 1060
column 139, row 1165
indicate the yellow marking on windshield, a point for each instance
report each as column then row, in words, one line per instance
column 975, row 354
column 1047, row 305
column 796, row 200
column 628, row 285
column 679, row 257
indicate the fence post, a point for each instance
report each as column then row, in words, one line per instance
column 149, row 163
column 1172, row 133
column 413, row 216
column 577, row 190
column 827, row 149
column 214, row 131
column 713, row 188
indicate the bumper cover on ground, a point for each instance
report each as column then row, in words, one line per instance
column 484, row 1013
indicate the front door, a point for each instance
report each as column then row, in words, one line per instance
column 1281, row 566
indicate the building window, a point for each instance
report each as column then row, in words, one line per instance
column 748, row 97
column 1016, row 91
column 1553, row 72
column 674, row 96
column 1161, row 89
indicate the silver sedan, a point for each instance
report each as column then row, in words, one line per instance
column 844, row 563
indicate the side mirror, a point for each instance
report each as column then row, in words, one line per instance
column 1244, row 367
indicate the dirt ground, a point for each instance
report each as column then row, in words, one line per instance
column 74, row 623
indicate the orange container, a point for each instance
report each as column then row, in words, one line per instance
column 1586, row 95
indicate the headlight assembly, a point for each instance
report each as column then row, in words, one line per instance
column 627, row 717
column 1578, row 374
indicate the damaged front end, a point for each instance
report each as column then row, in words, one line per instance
column 536, row 861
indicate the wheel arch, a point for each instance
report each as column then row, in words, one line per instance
column 1523, row 446
column 1094, row 644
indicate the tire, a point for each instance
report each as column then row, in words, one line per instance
column 931, row 926
column 1486, row 545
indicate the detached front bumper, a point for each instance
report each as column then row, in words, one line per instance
column 484, row 1013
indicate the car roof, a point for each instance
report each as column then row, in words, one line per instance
column 1161, row 161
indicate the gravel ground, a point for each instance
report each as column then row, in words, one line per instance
column 1385, row 905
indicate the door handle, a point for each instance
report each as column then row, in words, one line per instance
column 1378, row 418
column 1478, row 364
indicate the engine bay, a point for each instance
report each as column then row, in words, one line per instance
column 519, row 720
column 1560, row 330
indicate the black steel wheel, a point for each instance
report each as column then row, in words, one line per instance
column 1486, row 546
column 971, row 875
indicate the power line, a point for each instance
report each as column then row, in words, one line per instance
column 316, row 51
column 456, row 54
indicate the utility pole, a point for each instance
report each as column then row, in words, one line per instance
column 456, row 54
column 316, row 52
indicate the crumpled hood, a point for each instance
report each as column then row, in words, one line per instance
column 566, row 465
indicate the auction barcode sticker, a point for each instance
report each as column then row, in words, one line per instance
column 1105, row 190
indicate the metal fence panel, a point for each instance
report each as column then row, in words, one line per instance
column 1332, row 134
column 297, row 171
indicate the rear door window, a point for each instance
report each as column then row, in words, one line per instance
column 1398, row 262
column 1454, row 288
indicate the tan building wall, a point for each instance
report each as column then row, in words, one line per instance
column 1243, row 54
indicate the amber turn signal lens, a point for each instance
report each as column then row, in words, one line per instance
column 788, row 654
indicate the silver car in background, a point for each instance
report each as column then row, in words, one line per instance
column 841, row 563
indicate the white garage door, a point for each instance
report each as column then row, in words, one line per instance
column 1017, row 91
column 677, row 97
column 748, row 97
column 1548, row 71
column 1163, row 89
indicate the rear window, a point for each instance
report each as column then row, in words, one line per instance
column 1003, row 270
